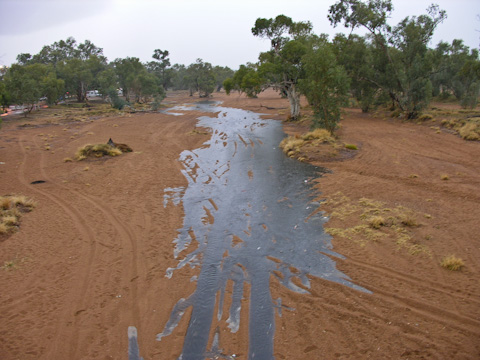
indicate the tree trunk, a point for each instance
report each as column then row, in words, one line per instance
column 294, row 99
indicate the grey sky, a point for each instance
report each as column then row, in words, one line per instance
column 217, row 31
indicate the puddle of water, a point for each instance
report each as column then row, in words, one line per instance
column 249, row 209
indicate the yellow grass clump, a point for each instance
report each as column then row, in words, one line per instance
column 97, row 150
column 11, row 209
column 470, row 131
column 451, row 262
column 319, row 134
column 291, row 145
column 372, row 221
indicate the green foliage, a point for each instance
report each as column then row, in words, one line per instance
column 78, row 65
column 26, row 84
column 200, row 78
column 128, row 71
column 115, row 100
column 246, row 79
column 355, row 54
column 402, row 65
column 221, row 74
column 160, row 67
column 5, row 98
column 325, row 85
column 228, row 85
column 281, row 67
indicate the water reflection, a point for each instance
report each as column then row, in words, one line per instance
column 248, row 209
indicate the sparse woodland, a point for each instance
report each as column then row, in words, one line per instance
column 391, row 65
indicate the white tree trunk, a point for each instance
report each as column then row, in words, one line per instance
column 294, row 99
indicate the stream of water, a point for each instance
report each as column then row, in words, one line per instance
column 248, row 211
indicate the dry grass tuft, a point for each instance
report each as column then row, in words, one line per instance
column 470, row 131
column 11, row 209
column 444, row 177
column 451, row 262
column 291, row 145
column 373, row 221
column 425, row 117
column 97, row 150
column 319, row 134
column 376, row 222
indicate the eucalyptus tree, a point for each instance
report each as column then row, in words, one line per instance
column 403, row 65
column 26, row 84
column 221, row 74
column 135, row 80
column 78, row 64
column 281, row 66
column 356, row 55
column 200, row 78
column 246, row 79
column 160, row 67
column 456, row 72
column 325, row 84
column 81, row 75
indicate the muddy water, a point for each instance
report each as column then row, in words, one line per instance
column 248, row 218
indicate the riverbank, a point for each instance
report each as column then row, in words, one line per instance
column 90, row 259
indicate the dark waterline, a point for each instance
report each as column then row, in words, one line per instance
column 248, row 208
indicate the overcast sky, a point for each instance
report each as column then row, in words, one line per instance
column 217, row 31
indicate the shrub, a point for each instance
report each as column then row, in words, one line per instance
column 319, row 134
column 376, row 222
column 97, row 150
column 291, row 145
column 425, row 117
column 11, row 209
column 351, row 146
column 470, row 131
column 451, row 262
column 115, row 100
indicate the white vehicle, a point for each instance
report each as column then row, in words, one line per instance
column 93, row 93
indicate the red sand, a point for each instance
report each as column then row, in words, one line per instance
column 91, row 258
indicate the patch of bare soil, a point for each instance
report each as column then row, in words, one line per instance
column 90, row 259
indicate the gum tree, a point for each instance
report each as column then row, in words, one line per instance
column 28, row 83
column 326, row 85
column 402, row 63
column 282, row 66
column 246, row 79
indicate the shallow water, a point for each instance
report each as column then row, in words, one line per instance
column 248, row 210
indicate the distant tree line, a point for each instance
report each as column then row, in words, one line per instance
column 67, row 67
column 389, row 65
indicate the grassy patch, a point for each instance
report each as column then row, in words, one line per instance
column 465, row 123
column 97, row 150
column 11, row 209
column 373, row 221
column 292, row 145
column 451, row 262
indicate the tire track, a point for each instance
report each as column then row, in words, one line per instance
column 424, row 283
column 128, row 243
column 79, row 222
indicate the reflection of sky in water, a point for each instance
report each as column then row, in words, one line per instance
column 248, row 209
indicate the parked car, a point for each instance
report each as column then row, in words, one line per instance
column 93, row 93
